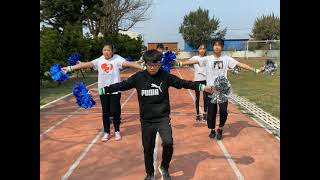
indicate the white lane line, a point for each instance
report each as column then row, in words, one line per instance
column 75, row 164
column 231, row 162
column 43, row 106
column 61, row 121
column 224, row 150
column 66, row 118
column 84, row 153
column 155, row 153
column 257, row 121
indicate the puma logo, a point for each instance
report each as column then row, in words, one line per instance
column 156, row 86
column 152, row 92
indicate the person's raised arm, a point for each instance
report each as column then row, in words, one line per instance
column 133, row 65
column 78, row 66
column 121, row 86
column 232, row 63
column 178, row 83
column 245, row 66
column 187, row 62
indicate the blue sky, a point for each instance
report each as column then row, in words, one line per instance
column 237, row 15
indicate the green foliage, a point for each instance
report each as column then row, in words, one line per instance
column 197, row 28
column 73, row 41
column 51, row 50
column 266, row 27
column 58, row 13
column 124, row 46
column 56, row 47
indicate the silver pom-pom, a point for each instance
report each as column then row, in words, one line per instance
column 236, row 70
column 222, row 87
column 270, row 67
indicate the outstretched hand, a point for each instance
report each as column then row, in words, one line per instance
column 176, row 63
column 209, row 89
column 261, row 69
column 93, row 91
column 64, row 70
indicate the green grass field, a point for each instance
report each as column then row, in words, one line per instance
column 261, row 89
column 50, row 90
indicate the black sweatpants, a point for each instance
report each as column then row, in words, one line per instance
column 149, row 132
column 197, row 92
column 108, row 101
column 212, row 113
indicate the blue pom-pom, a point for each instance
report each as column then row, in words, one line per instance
column 87, row 101
column 57, row 74
column 128, row 58
column 166, row 68
column 82, row 96
column 74, row 58
column 167, row 59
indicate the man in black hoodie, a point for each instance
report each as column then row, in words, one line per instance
column 152, row 86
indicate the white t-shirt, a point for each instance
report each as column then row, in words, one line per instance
column 108, row 70
column 217, row 67
column 199, row 71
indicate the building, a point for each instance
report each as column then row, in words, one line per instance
column 168, row 46
column 229, row 44
column 131, row 34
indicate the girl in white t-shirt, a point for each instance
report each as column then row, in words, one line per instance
column 108, row 66
column 217, row 65
column 200, row 76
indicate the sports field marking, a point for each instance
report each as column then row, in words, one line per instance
column 222, row 147
column 275, row 125
column 45, row 105
column 155, row 153
column 84, row 153
column 60, row 122
column 66, row 118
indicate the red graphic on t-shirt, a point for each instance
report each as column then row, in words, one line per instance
column 107, row 67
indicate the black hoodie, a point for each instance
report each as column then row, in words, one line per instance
column 153, row 92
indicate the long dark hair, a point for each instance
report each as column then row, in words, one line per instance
column 205, row 46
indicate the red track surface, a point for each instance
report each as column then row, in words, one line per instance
column 69, row 150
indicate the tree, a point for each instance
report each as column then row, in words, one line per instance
column 118, row 15
column 56, row 46
column 57, row 13
column 73, row 41
column 51, row 50
column 197, row 28
column 266, row 27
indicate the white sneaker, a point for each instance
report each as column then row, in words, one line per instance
column 117, row 136
column 105, row 137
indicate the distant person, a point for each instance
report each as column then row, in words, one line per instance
column 212, row 72
column 200, row 76
column 108, row 66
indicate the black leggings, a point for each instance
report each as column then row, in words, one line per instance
column 204, row 98
column 212, row 113
column 149, row 132
column 111, row 104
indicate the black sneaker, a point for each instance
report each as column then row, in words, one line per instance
column 219, row 135
column 149, row 177
column 164, row 173
column 198, row 118
column 212, row 134
column 204, row 117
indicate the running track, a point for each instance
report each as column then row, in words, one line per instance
column 70, row 146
